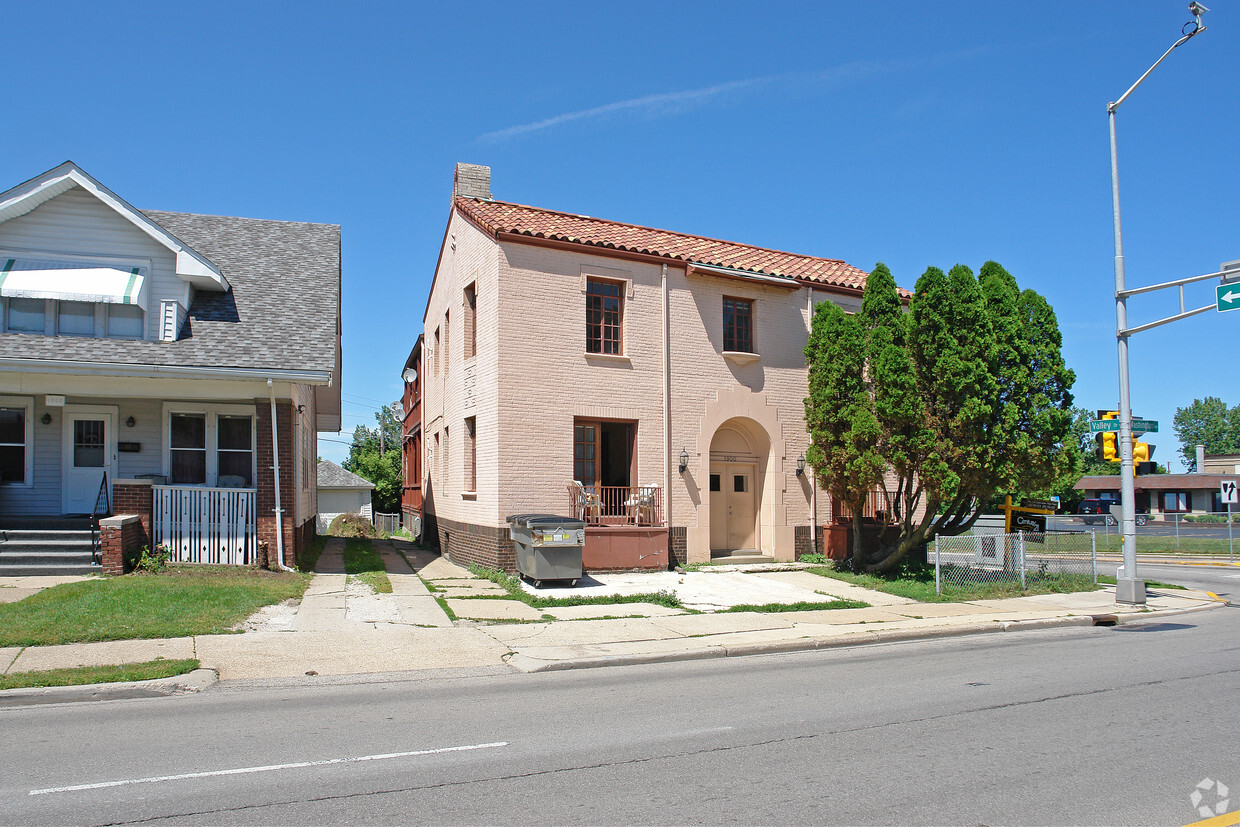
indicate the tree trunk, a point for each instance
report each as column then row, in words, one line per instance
column 858, row 547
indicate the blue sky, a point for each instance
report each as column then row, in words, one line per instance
column 913, row 133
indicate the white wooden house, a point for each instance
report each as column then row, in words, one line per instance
column 144, row 358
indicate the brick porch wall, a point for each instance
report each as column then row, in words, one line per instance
column 134, row 497
column 294, row 540
column 677, row 546
column 119, row 537
column 488, row 546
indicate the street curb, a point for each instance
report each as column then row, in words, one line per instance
column 195, row 681
column 531, row 665
column 528, row 664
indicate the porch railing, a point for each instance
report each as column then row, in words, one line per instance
column 205, row 525
column 639, row 505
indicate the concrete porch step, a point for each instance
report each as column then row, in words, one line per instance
column 37, row 569
column 35, row 522
column 745, row 556
column 44, row 551
column 44, row 539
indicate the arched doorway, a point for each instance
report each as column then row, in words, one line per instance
column 738, row 452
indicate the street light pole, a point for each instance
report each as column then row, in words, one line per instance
column 1130, row 589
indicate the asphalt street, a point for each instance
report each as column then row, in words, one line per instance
column 1072, row 726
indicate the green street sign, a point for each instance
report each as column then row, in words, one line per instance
column 1139, row 426
column 1228, row 297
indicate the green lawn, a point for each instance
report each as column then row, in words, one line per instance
column 918, row 584
column 513, row 585
column 82, row 675
column 1147, row 544
column 363, row 562
column 182, row 601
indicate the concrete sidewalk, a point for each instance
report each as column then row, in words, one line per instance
column 342, row 629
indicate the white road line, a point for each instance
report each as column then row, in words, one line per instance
column 246, row 770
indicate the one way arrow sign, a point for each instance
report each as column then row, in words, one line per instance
column 1228, row 297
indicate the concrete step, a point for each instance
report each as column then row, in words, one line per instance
column 19, row 522
column 41, row 551
column 745, row 556
column 45, row 539
column 46, row 569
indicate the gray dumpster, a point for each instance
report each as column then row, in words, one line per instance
column 548, row 546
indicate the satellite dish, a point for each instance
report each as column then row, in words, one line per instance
column 410, row 375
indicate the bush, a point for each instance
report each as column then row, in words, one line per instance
column 351, row 525
column 148, row 561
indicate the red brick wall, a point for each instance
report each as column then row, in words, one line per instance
column 117, row 541
column 266, row 522
column 133, row 497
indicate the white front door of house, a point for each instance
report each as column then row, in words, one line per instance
column 88, row 451
column 733, row 511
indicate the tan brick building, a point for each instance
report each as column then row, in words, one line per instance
column 561, row 350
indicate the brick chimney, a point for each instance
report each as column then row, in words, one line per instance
column 472, row 181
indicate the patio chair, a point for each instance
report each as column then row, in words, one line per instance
column 585, row 503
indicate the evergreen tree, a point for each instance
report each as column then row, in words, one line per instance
column 964, row 396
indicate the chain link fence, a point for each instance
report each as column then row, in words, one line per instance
column 386, row 523
column 972, row 560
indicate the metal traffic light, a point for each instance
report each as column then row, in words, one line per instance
column 1108, row 441
column 1142, row 458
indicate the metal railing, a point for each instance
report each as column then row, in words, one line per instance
column 639, row 505
column 970, row 560
column 205, row 525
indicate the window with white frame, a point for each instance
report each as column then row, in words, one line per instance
column 210, row 445
column 100, row 320
column 16, row 441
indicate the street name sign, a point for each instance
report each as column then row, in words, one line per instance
column 1139, row 426
column 1228, row 297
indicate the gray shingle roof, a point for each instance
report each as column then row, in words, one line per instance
column 280, row 313
column 332, row 475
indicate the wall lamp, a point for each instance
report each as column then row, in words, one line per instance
column 130, row 422
column 46, row 419
column 684, row 459
column 801, row 465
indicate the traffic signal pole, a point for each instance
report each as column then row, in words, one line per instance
column 1128, row 588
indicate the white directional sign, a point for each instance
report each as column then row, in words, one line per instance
column 1228, row 491
column 1228, row 297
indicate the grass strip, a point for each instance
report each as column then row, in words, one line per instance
column 361, row 559
column 803, row 606
column 83, row 675
column 513, row 586
column 179, row 602
column 917, row 583
column 310, row 555
column 443, row 604
column 1150, row 584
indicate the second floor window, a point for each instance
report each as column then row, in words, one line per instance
column 738, row 325
column 604, row 316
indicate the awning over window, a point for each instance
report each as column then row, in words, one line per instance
column 73, row 281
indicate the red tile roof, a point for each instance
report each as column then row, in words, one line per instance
column 502, row 217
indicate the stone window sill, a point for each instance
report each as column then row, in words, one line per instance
column 740, row 358
column 617, row 358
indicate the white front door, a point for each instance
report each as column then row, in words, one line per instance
column 88, row 450
column 733, row 512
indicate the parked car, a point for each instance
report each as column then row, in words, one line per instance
column 1093, row 512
